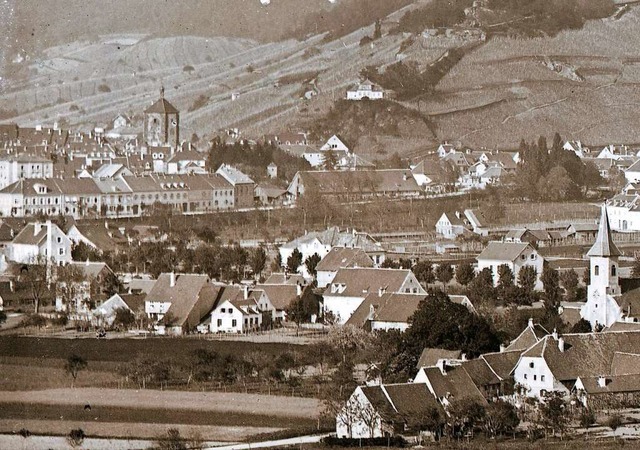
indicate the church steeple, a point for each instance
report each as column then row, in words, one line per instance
column 604, row 245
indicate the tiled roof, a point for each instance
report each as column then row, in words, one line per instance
column 340, row 257
column 282, row 278
column 502, row 363
column 613, row 384
column 588, row 354
column 280, row 296
column 233, row 175
column 333, row 237
column 28, row 236
column 430, row 356
column 399, row 402
column 362, row 282
column 162, row 106
column 502, row 251
column 388, row 307
column 625, row 364
column 91, row 269
column 480, row 372
column 455, row 384
column 529, row 336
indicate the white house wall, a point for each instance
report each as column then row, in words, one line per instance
column 537, row 379
column 341, row 307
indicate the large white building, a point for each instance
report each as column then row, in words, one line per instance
column 365, row 90
column 40, row 242
column 515, row 255
column 24, row 166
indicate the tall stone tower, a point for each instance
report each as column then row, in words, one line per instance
column 162, row 124
column 601, row 307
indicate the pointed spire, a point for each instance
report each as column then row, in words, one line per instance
column 604, row 245
column 162, row 91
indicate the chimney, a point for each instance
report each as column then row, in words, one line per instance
column 172, row 279
column 530, row 322
column 381, row 291
column 86, row 263
column 561, row 344
column 372, row 311
column 602, row 381
column 442, row 365
column 463, row 357
column 245, row 291
column 502, row 348
column 37, row 228
column 298, row 289
column 555, row 334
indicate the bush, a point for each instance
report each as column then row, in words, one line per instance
column 395, row 441
column 189, row 69
column 76, row 437
column 104, row 88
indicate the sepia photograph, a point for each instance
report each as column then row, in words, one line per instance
column 319, row 224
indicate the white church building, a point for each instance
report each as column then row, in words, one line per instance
column 605, row 302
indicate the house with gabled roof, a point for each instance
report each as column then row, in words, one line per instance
column 514, row 255
column 40, row 241
column 449, row 384
column 179, row 302
column 386, row 409
column 386, row 311
column 338, row 258
column 556, row 362
column 530, row 336
column 238, row 310
column 99, row 238
column 351, row 286
column 365, row 90
column 243, row 185
column 430, row 357
column 452, row 225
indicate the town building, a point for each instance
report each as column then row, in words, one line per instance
column 513, row 255
column 162, row 124
column 365, row 90
column 40, row 243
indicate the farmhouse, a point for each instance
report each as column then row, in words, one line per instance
column 351, row 286
column 514, row 255
column 178, row 302
column 452, row 225
column 383, row 410
column 386, row 311
column 556, row 362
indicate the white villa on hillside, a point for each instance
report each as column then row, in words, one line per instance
column 365, row 89
column 513, row 254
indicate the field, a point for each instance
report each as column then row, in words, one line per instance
column 119, row 350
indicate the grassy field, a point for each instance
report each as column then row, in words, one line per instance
column 119, row 350
column 32, row 375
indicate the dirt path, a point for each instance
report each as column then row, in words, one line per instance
column 202, row 401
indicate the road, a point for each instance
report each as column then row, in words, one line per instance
column 270, row 444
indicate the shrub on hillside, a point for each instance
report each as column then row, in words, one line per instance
column 104, row 88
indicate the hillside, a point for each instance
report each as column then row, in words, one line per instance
column 581, row 83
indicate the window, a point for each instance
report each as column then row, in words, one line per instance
column 613, row 270
column 596, row 270
column 219, row 322
column 531, row 364
column 541, row 377
column 523, row 257
column 61, row 251
column 533, row 256
column 222, row 309
column 535, row 377
column 525, row 376
column 234, row 323
column 59, row 239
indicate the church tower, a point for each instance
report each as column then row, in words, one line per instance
column 162, row 124
column 601, row 307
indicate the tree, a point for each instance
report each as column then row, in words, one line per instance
column 553, row 414
column 587, row 418
column 501, row 417
column 432, row 420
column 423, row 270
column 258, row 260
column 70, row 287
column 3, row 317
column 440, row 323
column 551, row 282
column 36, row 277
column 311, row 262
column 569, row 281
column 465, row 413
column 276, row 264
column 505, row 276
column 581, row 326
column 74, row 365
column 465, row 273
column 527, row 278
column 377, row 32
column 586, row 276
column 444, row 273
column 111, row 284
column 330, row 161
column 172, row 441
column 302, row 308
column 294, row 261
column 124, row 318
column 614, row 421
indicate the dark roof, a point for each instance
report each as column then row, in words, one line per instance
column 399, row 402
column 613, row 384
column 361, row 282
column 629, row 303
column 625, row 364
column 162, row 106
column 135, row 302
column 340, row 257
column 28, row 235
column 503, row 251
column 388, row 307
column 604, row 245
column 430, row 356
column 455, row 383
column 529, row 336
column 585, row 355
column 502, row 363
column 480, row 372
column 285, row 278
column 281, row 295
